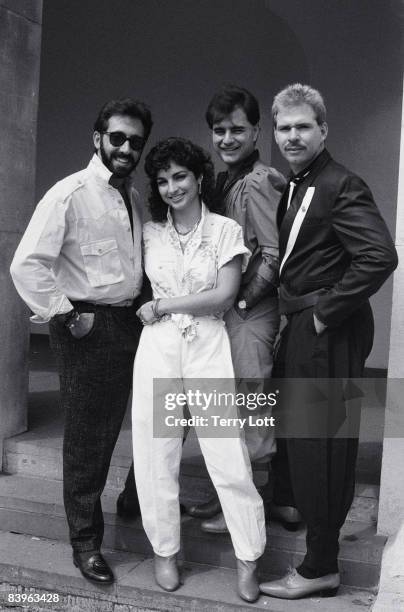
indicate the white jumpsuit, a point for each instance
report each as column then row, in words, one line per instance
column 179, row 348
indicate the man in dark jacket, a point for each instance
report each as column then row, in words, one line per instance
column 335, row 252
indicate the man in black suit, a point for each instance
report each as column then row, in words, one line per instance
column 335, row 252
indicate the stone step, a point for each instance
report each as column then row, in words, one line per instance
column 31, row 567
column 45, row 416
column 38, row 453
column 31, row 503
column 34, row 506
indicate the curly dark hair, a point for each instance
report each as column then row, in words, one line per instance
column 184, row 153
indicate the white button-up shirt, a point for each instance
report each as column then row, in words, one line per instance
column 174, row 270
column 79, row 246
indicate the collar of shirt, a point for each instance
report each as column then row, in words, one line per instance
column 295, row 180
column 223, row 185
column 244, row 168
column 97, row 168
column 298, row 178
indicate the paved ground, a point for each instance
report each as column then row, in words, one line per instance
column 36, row 566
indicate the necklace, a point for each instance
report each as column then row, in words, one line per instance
column 187, row 231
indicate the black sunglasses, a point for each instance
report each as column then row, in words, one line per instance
column 117, row 139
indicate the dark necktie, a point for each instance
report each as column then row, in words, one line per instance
column 293, row 203
column 119, row 184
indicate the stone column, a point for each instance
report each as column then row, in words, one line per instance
column 391, row 503
column 20, row 46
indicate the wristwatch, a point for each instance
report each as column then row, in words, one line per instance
column 242, row 305
column 68, row 318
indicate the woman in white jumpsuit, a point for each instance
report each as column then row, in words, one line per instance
column 193, row 259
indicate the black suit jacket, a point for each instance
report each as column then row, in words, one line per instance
column 343, row 252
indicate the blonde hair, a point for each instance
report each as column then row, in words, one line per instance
column 297, row 94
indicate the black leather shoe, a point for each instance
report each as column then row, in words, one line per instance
column 215, row 525
column 127, row 508
column 247, row 581
column 93, row 567
column 206, row 510
column 289, row 517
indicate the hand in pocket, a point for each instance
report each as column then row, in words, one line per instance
column 83, row 325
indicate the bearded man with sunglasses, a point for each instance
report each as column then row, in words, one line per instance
column 79, row 267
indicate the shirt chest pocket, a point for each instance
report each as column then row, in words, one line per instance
column 102, row 262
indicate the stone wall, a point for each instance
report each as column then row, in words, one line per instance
column 20, row 44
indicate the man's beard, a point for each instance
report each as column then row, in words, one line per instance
column 107, row 160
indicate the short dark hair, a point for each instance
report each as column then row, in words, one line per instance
column 296, row 95
column 126, row 107
column 227, row 99
column 184, row 153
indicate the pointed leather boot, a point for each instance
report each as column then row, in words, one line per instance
column 247, row 581
column 166, row 572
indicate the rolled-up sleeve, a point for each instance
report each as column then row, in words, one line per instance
column 263, row 199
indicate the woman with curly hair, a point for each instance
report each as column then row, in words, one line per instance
column 193, row 259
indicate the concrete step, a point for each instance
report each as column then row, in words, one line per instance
column 38, row 453
column 34, row 506
column 31, row 567
column 31, row 503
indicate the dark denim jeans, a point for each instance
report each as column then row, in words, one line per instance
column 95, row 381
